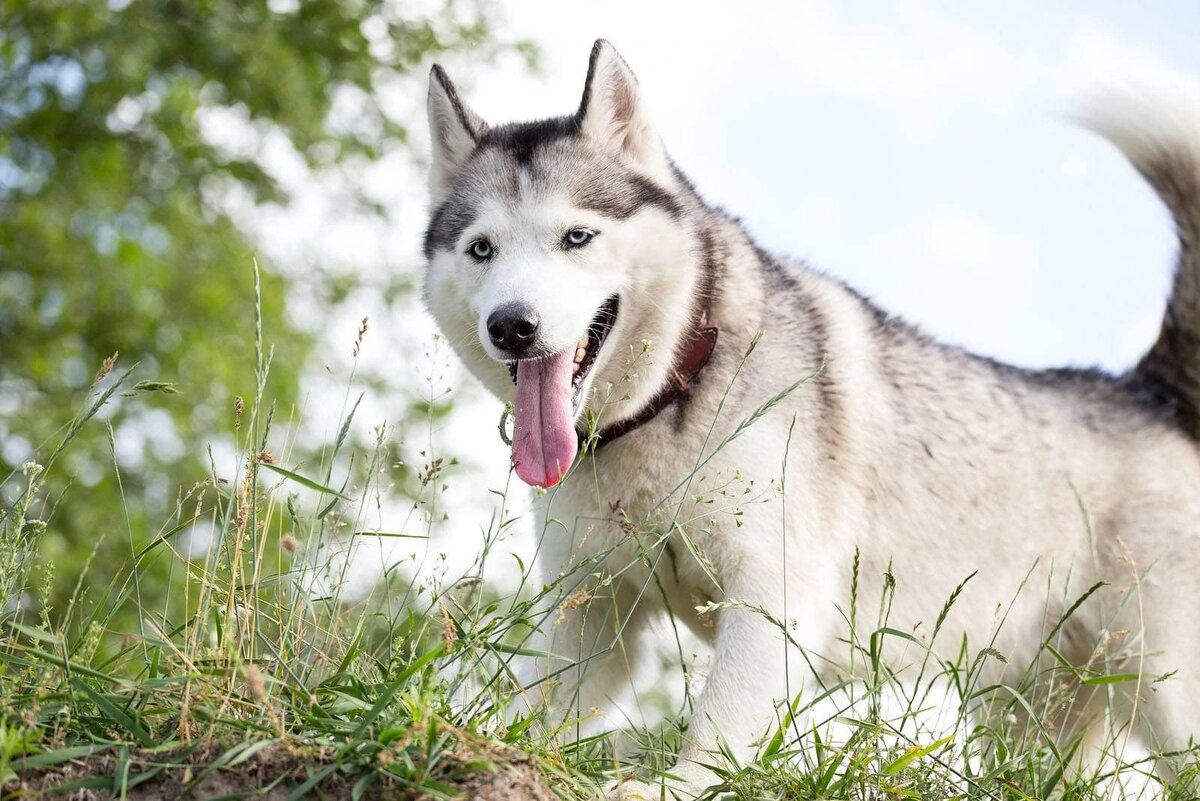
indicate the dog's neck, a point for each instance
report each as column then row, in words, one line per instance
column 691, row 357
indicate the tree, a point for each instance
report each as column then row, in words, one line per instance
column 115, row 233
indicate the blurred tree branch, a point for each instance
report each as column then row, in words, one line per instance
column 123, row 127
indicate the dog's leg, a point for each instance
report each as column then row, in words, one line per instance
column 587, row 645
column 1165, row 714
column 754, row 669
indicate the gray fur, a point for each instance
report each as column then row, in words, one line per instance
column 1173, row 365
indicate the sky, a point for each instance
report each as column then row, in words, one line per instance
column 922, row 152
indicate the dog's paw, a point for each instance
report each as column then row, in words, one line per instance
column 677, row 789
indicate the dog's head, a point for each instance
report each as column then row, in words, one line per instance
column 553, row 251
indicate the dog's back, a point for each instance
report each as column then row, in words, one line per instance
column 1054, row 478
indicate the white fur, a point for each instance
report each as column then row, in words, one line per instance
column 1142, row 119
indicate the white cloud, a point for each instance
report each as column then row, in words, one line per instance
column 914, row 54
column 950, row 238
column 1095, row 57
column 1076, row 167
column 687, row 61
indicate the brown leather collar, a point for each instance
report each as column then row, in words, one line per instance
column 696, row 353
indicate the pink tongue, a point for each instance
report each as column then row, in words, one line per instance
column 544, row 439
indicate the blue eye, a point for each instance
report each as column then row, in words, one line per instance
column 481, row 250
column 578, row 237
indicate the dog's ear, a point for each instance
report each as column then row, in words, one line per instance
column 454, row 129
column 612, row 112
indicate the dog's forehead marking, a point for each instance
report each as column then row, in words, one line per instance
column 524, row 184
column 521, row 166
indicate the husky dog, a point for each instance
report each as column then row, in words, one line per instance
column 581, row 277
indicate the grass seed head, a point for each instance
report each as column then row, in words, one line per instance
column 106, row 367
column 573, row 602
column 255, row 685
column 362, row 329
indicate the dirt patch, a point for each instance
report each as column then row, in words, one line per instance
column 515, row 782
column 272, row 773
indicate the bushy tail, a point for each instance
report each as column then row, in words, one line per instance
column 1159, row 131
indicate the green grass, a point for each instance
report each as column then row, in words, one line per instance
column 184, row 670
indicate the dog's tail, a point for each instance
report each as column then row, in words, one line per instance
column 1159, row 131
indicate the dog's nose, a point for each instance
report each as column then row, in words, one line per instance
column 513, row 327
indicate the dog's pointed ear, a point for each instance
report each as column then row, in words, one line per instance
column 454, row 129
column 612, row 112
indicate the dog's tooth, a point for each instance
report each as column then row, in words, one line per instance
column 579, row 354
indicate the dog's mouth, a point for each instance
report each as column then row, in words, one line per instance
column 549, row 395
column 586, row 349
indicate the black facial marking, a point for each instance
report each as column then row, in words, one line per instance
column 450, row 219
column 522, row 139
column 622, row 196
column 596, row 184
column 608, row 189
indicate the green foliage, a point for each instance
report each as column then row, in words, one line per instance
column 15, row 741
column 250, row 665
column 248, row 658
column 115, row 227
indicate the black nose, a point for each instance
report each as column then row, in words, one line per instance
column 513, row 327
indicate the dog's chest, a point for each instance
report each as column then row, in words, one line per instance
column 650, row 509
